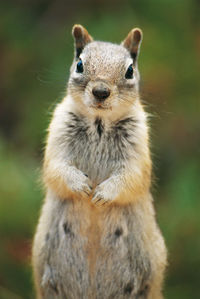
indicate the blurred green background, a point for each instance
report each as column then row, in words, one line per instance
column 36, row 50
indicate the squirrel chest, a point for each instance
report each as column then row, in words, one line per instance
column 97, row 148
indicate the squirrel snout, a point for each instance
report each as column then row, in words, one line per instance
column 101, row 92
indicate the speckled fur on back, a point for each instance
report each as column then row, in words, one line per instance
column 97, row 236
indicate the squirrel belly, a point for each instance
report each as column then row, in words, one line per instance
column 82, row 251
column 97, row 236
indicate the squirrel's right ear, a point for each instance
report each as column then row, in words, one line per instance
column 81, row 38
column 132, row 42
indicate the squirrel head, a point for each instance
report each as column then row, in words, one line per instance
column 104, row 77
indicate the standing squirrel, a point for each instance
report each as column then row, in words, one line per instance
column 97, row 236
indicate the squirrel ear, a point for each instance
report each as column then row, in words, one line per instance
column 132, row 42
column 81, row 38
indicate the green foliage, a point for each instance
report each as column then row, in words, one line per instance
column 36, row 52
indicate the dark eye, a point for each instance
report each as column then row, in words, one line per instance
column 129, row 72
column 79, row 66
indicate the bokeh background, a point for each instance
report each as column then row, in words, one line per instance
column 36, row 50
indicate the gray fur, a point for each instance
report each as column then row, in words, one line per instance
column 127, row 264
column 97, row 150
column 98, row 154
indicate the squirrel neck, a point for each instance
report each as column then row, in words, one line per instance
column 107, row 116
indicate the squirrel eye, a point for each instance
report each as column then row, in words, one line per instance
column 79, row 66
column 129, row 72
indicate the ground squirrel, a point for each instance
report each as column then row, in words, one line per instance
column 97, row 236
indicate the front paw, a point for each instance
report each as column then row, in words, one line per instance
column 84, row 187
column 105, row 193
column 79, row 183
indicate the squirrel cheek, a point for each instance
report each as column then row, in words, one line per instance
column 132, row 82
column 87, row 98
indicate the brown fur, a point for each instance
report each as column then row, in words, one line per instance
column 97, row 236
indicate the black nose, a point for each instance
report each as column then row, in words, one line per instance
column 101, row 92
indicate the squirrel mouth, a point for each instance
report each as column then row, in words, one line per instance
column 100, row 106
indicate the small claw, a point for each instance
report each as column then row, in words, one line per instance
column 104, row 202
column 99, row 201
column 90, row 187
column 86, row 192
column 96, row 199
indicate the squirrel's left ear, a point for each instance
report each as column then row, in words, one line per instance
column 132, row 42
column 81, row 38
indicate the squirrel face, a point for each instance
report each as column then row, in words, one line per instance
column 104, row 76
